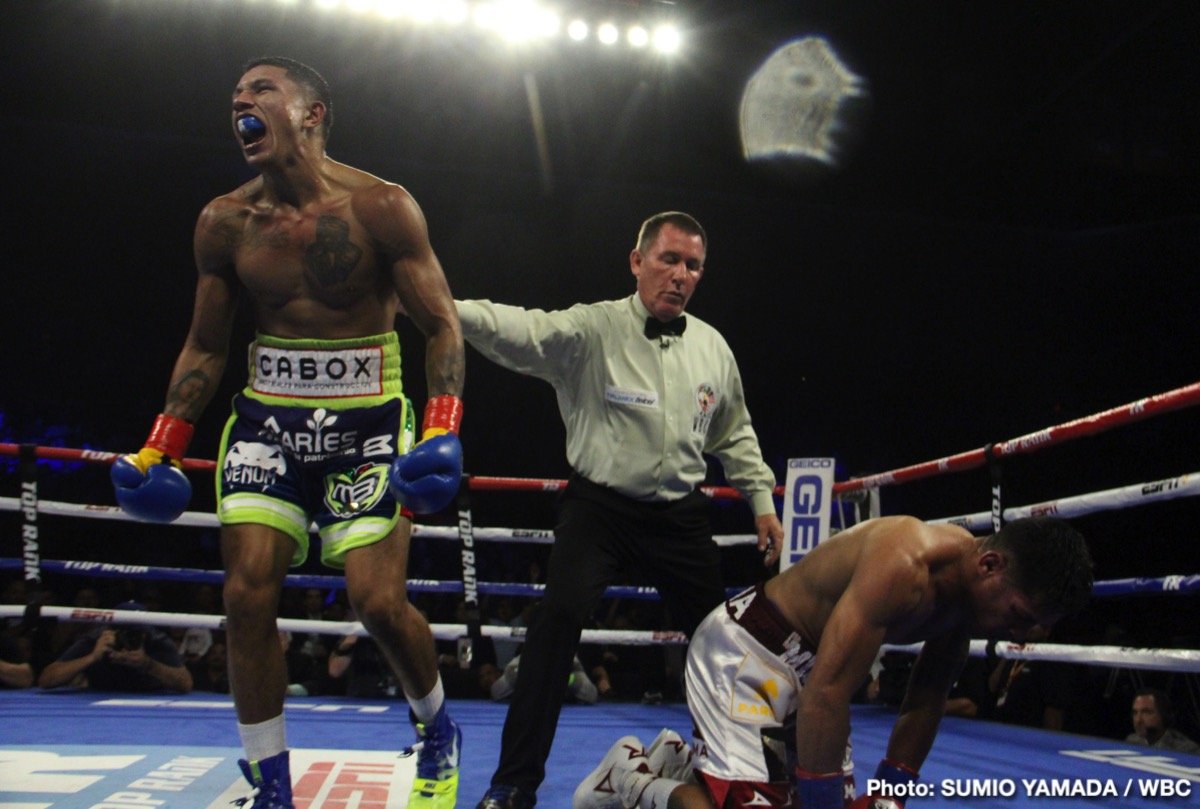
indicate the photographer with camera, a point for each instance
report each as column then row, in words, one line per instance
column 127, row 658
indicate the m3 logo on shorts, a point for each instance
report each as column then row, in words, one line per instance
column 357, row 490
column 249, row 463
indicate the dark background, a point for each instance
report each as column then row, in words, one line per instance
column 1010, row 242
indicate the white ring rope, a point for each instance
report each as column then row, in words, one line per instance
column 1124, row 497
column 1173, row 583
column 1179, row 660
column 1138, row 494
column 623, row 637
column 200, row 519
column 1110, row 499
column 1126, row 657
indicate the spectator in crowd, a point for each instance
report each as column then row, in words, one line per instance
column 67, row 632
column 1033, row 693
column 314, row 644
column 502, row 614
column 969, row 696
column 192, row 642
column 632, row 673
column 1153, row 723
column 358, row 669
column 305, row 675
column 123, row 658
column 195, row 641
column 15, row 670
column 212, row 672
column 580, row 688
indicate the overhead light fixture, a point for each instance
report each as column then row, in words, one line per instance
column 577, row 30
column 607, row 33
column 667, row 39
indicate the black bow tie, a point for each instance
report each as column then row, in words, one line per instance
column 656, row 328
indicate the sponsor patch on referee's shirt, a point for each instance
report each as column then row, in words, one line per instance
column 630, row 396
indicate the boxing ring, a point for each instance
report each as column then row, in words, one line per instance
column 68, row 748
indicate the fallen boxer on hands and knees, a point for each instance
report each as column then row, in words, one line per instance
column 796, row 648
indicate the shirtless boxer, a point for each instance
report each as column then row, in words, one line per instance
column 327, row 255
column 801, row 644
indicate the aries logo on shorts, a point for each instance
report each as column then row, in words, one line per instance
column 249, row 463
column 357, row 490
column 706, row 407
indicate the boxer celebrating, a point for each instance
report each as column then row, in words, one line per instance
column 327, row 255
column 797, row 648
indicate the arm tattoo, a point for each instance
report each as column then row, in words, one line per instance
column 332, row 256
column 187, row 397
column 446, row 372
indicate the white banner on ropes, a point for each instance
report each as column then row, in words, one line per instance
column 808, row 494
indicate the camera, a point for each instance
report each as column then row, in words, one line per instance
column 129, row 640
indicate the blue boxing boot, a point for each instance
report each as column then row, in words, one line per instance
column 435, row 785
column 272, row 782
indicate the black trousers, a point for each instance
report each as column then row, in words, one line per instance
column 599, row 533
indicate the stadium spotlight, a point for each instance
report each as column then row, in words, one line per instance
column 518, row 20
column 419, row 11
column 607, row 33
column 453, row 11
column 614, row 22
column 667, row 39
column 577, row 30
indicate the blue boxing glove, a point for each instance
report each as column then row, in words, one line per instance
column 426, row 478
column 150, row 485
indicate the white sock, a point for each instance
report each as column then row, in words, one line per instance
column 427, row 706
column 263, row 739
column 644, row 789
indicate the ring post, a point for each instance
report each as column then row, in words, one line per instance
column 466, row 542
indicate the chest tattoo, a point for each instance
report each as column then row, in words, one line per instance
column 332, row 256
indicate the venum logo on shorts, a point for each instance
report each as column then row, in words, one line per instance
column 249, row 463
column 355, row 491
column 317, row 372
column 706, row 407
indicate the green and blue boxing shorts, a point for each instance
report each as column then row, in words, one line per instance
column 311, row 439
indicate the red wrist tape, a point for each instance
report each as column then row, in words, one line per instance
column 443, row 414
column 800, row 772
column 894, row 771
column 170, row 436
column 819, row 790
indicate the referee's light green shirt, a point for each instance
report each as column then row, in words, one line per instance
column 639, row 413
